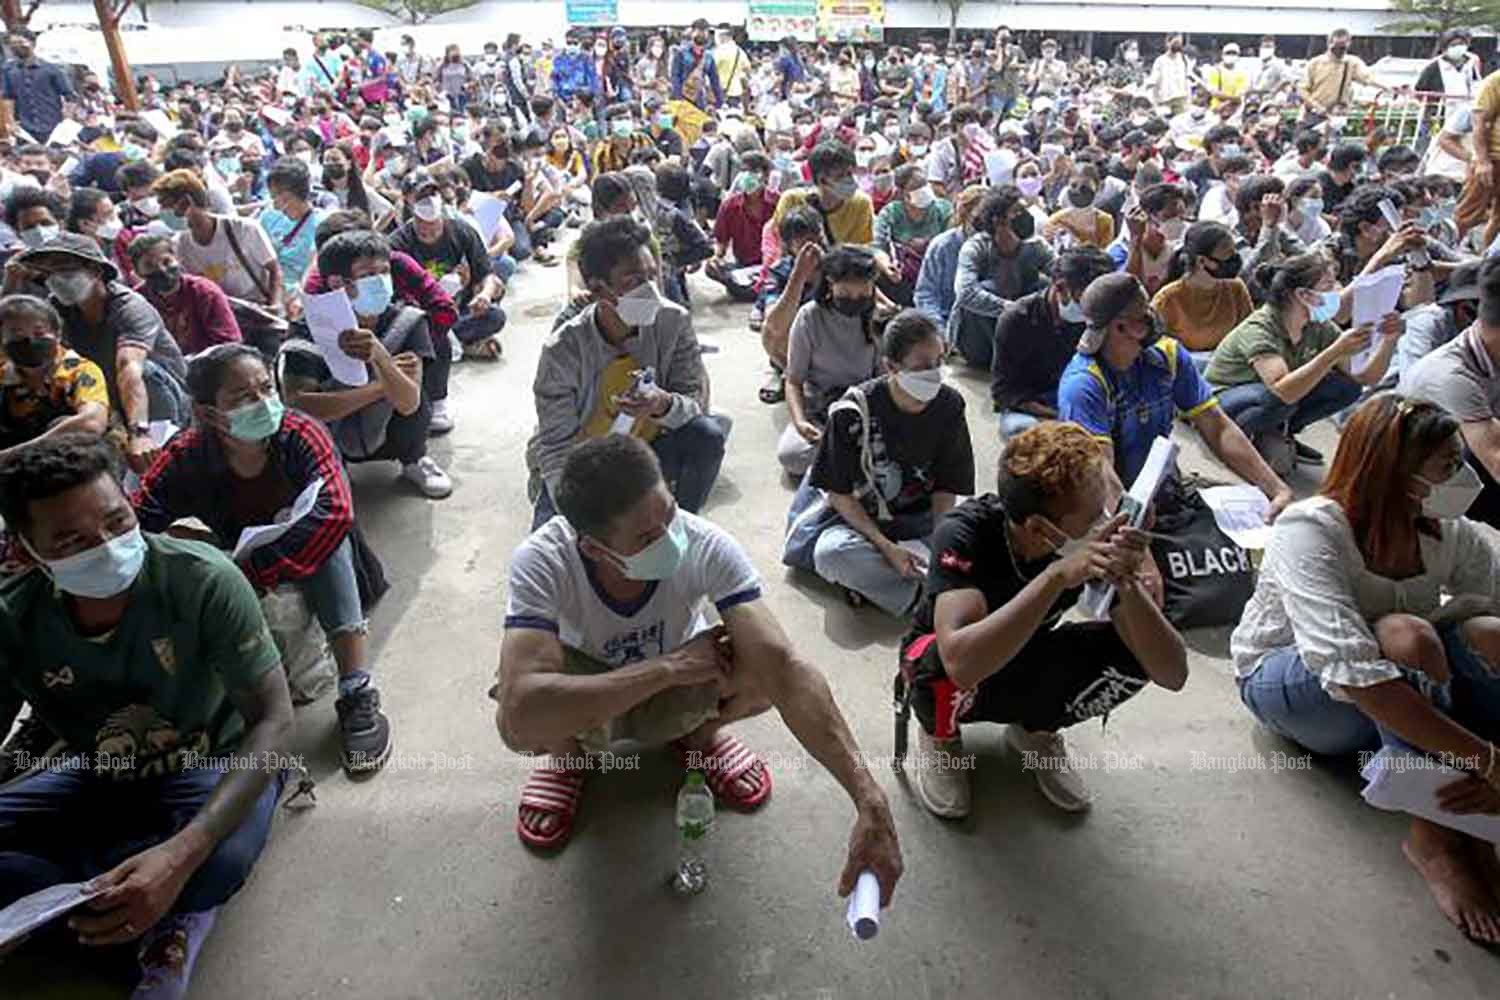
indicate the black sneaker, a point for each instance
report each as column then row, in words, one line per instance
column 364, row 731
column 1307, row 455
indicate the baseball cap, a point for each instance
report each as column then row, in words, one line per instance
column 1103, row 302
column 418, row 180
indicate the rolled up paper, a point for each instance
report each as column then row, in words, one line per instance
column 864, row 906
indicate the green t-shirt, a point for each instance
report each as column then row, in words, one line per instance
column 142, row 696
column 1259, row 334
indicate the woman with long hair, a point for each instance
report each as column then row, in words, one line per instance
column 1204, row 297
column 341, row 177
column 1348, row 645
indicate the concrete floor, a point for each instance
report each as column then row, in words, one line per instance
column 1182, row 882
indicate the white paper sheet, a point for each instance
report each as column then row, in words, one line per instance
column 1160, row 462
column 487, row 211
column 162, row 431
column 329, row 315
column 65, row 134
column 1376, row 295
column 863, row 914
column 158, row 120
column 42, row 907
column 1240, row 512
column 1408, row 782
column 257, row 535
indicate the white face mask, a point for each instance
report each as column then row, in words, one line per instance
column 1174, row 230
column 429, row 209
column 109, row 228
column 1072, row 313
column 922, row 386
column 922, row 197
column 1454, row 496
column 1458, row 53
column 639, row 306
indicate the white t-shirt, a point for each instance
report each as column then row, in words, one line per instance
column 552, row 589
column 218, row 263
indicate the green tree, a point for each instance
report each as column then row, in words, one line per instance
column 1433, row 17
column 416, row 11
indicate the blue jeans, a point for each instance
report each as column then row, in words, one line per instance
column 333, row 593
column 504, row 265
column 66, row 825
column 1255, row 407
column 690, row 457
column 1288, row 699
column 846, row 558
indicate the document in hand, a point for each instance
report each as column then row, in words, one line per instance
column 257, row 535
column 487, row 211
column 41, row 907
column 327, row 316
column 1376, row 296
column 1160, row 463
column 1408, row 782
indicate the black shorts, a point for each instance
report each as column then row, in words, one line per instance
column 1061, row 677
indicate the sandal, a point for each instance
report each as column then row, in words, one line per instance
column 774, row 391
column 726, row 762
column 487, row 349
column 550, row 791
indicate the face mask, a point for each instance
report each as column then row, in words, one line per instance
column 660, row 559
column 1310, row 208
column 1029, row 186
column 148, row 206
column 372, row 294
column 844, row 188
column 922, row 197
column 857, row 306
column 228, row 165
column 164, row 280
column 918, row 149
column 621, row 128
column 1072, row 313
column 1081, row 197
column 664, row 121
column 173, row 221
column 1454, row 496
column 1228, row 150
column 335, row 172
column 71, row 287
column 1224, row 269
column 1229, row 62
column 29, row 352
column 601, row 50
column 747, row 183
column 37, row 235
column 1132, row 56
column 863, row 158
column 1023, row 225
column 103, row 571
column 1048, row 53
column 256, row 421
column 892, row 133
column 109, row 228
column 1326, row 307
column 1338, row 122
column 428, row 209
column 1266, row 52
column 1457, row 53
column 132, row 152
column 922, row 386
column 1173, row 229
column 639, row 306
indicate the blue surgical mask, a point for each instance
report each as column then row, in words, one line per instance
column 844, row 188
column 1326, row 308
column 172, row 220
column 101, row 572
column 1229, row 149
column 372, row 294
column 660, row 559
column 256, row 421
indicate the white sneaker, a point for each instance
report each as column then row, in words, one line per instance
column 442, row 419
column 428, row 477
column 942, row 780
column 455, row 349
column 1049, row 763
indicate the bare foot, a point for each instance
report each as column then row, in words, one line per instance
column 1460, row 890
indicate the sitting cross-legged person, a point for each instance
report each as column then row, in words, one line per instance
column 606, row 638
column 891, row 480
column 244, row 462
column 591, row 376
column 387, row 417
column 983, row 646
column 45, row 389
column 149, row 658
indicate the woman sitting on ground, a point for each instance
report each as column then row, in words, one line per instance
column 1204, row 297
column 1347, row 646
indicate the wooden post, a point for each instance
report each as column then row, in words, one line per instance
column 109, row 24
column 10, row 12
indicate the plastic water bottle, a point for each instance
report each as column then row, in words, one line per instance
column 695, row 818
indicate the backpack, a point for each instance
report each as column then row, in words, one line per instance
column 811, row 512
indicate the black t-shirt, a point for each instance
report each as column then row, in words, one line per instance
column 914, row 454
column 971, row 551
column 459, row 243
column 1334, row 193
column 491, row 182
column 669, row 142
column 1031, row 351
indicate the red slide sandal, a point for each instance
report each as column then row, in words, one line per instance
column 550, row 792
column 726, row 766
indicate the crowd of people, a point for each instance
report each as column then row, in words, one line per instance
column 1120, row 244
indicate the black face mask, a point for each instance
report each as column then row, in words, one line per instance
column 1023, row 225
column 853, row 307
column 1227, row 268
column 1081, row 197
column 31, row 352
column 164, row 280
column 335, row 172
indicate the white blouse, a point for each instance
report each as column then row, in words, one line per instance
column 1315, row 592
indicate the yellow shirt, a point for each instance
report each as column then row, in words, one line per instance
column 74, row 382
column 617, row 377
column 1201, row 317
column 733, row 67
column 1329, row 81
column 1230, row 82
column 1091, row 228
column 1487, row 101
column 851, row 222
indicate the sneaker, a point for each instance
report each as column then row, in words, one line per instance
column 942, row 781
column 428, row 477
column 1306, row 454
column 1054, row 773
column 442, row 419
column 774, row 391
column 455, row 349
column 364, row 731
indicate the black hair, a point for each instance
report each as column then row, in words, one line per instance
column 848, row 262
column 1346, row 155
column 906, row 172
column 672, row 182
column 1363, row 205
column 25, row 307
column 292, row 176
column 608, row 189
column 337, row 256
column 995, row 208
column 1253, row 189
column 83, row 205
column 1308, row 140
column 1236, row 165
column 1218, row 135
column 139, row 174
column 1079, row 267
column 1158, row 196
column 423, row 127
column 206, row 371
column 755, row 162
column 1489, row 292
column 1397, row 156
column 906, row 330
column 1281, row 279
column 23, row 198
column 51, row 466
column 1300, row 186
column 829, row 158
column 606, row 242
column 144, row 244
column 800, row 223
column 604, row 477
column 342, row 221
column 1199, row 241
column 182, row 159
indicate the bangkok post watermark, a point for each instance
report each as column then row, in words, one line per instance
column 1274, row 762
